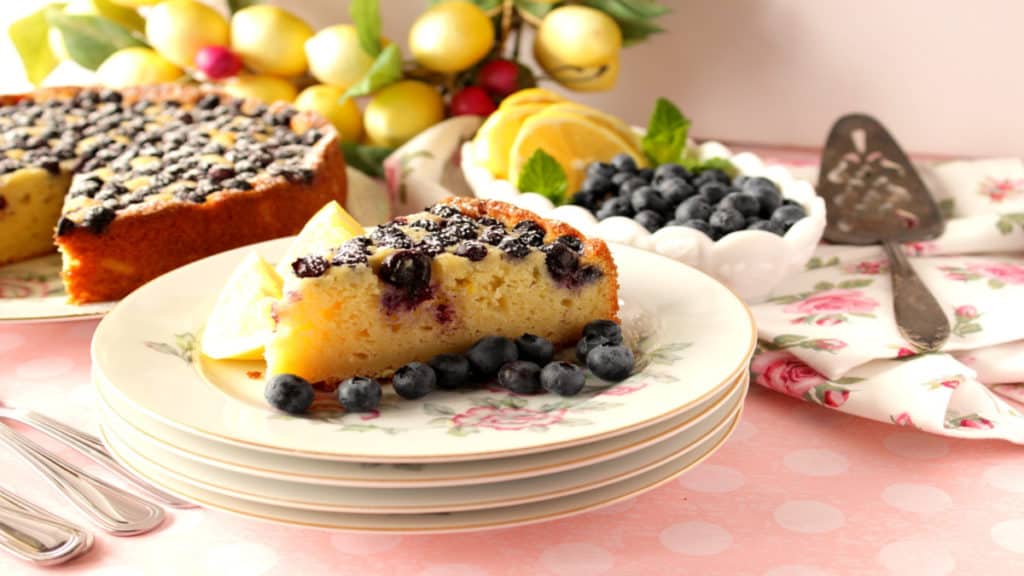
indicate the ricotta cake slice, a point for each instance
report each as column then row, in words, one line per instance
column 436, row 282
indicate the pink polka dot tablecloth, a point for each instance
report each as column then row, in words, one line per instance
column 797, row 491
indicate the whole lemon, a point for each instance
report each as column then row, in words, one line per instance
column 336, row 57
column 451, row 36
column 326, row 101
column 178, row 29
column 265, row 88
column 400, row 111
column 578, row 78
column 136, row 3
column 579, row 36
column 270, row 40
column 134, row 66
column 126, row 17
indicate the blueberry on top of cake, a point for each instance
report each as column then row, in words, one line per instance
column 436, row 282
column 75, row 162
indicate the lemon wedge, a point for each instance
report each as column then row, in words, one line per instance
column 494, row 140
column 531, row 96
column 607, row 120
column 573, row 140
column 241, row 318
column 329, row 228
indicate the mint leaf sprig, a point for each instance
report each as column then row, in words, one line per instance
column 665, row 141
column 544, row 175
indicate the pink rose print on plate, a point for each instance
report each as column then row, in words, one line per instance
column 905, row 352
column 506, row 418
column 833, row 301
column 785, row 373
column 869, row 267
column 1004, row 271
column 624, row 389
column 966, row 312
column 835, row 398
column 925, row 248
column 903, row 419
column 999, row 189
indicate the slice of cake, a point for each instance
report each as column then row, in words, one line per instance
column 136, row 182
column 436, row 282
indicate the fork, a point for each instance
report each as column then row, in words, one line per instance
column 33, row 534
column 89, row 445
column 114, row 510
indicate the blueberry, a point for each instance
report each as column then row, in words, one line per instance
column 520, row 376
column 310, row 266
column 671, row 171
column 472, row 250
column 713, row 192
column 562, row 378
column 359, row 394
column 607, row 329
column 675, row 190
column 587, row 199
column 694, row 208
column 787, row 215
column 611, row 362
column 414, row 380
column 712, row 175
column 620, row 177
column 451, row 370
column 615, row 207
column 493, row 235
column 598, row 186
column 514, row 247
column 728, row 219
column 646, row 173
column 766, row 192
column 767, row 226
column 560, row 260
column 631, row 185
column 744, row 203
column 572, row 242
column 587, row 343
column 650, row 220
column 701, row 225
column 289, row 393
column 408, row 269
column 647, row 198
column 624, row 163
column 603, row 169
column 536, row 349
column 490, row 353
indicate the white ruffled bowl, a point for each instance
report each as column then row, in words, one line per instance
column 751, row 262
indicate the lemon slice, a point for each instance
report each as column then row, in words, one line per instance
column 610, row 122
column 329, row 228
column 241, row 319
column 494, row 140
column 573, row 140
column 530, row 96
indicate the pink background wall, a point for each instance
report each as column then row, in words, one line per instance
column 945, row 75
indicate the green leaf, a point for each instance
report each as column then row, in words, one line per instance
column 367, row 159
column 545, row 176
column 847, row 380
column 1004, row 226
column 786, row 340
column 437, row 409
column 858, row 283
column 947, row 206
column 536, row 9
column 631, row 10
column 485, row 5
column 29, row 36
column 824, row 286
column 387, row 68
column 665, row 139
column 92, row 39
column 635, row 32
column 696, row 166
column 365, row 15
column 236, row 5
column 996, row 284
column 968, row 329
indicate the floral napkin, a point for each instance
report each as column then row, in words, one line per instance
column 829, row 335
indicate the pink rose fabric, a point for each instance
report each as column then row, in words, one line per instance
column 966, row 312
column 506, row 418
column 1004, row 271
column 834, row 301
column 783, row 372
column 624, row 389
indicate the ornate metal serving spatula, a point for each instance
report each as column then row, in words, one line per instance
column 874, row 195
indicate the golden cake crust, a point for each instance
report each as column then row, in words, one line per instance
column 148, row 239
column 511, row 215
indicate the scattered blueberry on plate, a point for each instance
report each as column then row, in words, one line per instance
column 670, row 195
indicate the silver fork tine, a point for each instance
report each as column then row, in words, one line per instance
column 92, row 447
column 33, row 534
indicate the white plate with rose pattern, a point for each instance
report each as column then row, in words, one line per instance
column 690, row 335
column 32, row 291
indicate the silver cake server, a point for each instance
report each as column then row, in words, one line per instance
column 874, row 195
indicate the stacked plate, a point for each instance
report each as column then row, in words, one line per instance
column 453, row 461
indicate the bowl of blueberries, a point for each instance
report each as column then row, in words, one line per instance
column 750, row 230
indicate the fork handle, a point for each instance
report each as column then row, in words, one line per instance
column 919, row 317
column 92, row 447
column 112, row 509
column 33, row 534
